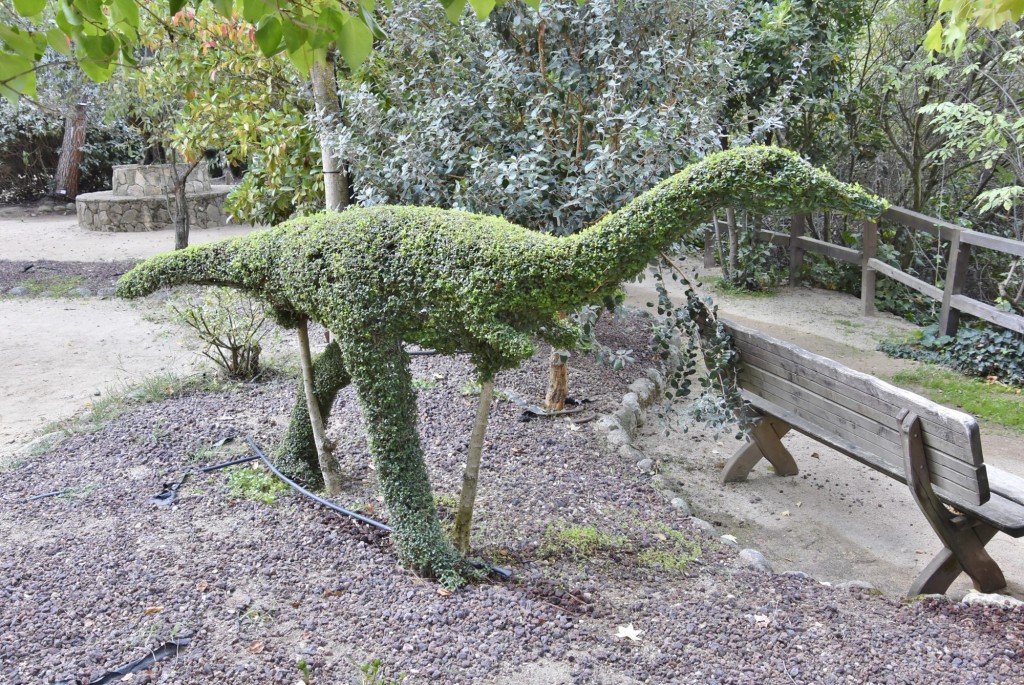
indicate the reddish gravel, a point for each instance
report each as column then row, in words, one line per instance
column 93, row 579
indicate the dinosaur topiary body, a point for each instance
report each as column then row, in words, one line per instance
column 383, row 276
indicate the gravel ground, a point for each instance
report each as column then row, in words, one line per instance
column 42, row 276
column 92, row 579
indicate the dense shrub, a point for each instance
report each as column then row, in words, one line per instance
column 550, row 119
column 983, row 351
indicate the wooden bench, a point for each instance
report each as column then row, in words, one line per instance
column 936, row 451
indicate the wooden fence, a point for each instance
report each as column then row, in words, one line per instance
column 961, row 242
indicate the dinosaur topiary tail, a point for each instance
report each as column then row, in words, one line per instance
column 244, row 263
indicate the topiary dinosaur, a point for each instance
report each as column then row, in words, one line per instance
column 380, row 277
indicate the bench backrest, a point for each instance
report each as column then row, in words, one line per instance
column 858, row 414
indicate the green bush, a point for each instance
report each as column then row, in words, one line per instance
column 229, row 324
column 982, row 351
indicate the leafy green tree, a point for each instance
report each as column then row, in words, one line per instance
column 950, row 30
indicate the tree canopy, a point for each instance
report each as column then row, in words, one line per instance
column 101, row 34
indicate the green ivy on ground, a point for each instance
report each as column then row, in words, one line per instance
column 381, row 277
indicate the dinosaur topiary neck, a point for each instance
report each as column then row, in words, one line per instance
column 620, row 245
column 762, row 179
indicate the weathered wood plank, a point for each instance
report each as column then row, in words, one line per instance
column 988, row 312
column 869, row 398
column 773, row 237
column 953, row 494
column 883, row 394
column 938, row 437
column 845, row 254
column 921, row 222
column 993, row 242
column 1006, row 485
column 872, row 436
column 1005, row 514
column 906, row 279
column 945, row 478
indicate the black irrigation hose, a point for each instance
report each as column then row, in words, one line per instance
column 217, row 467
column 55, row 493
column 295, row 486
column 164, row 651
column 497, row 570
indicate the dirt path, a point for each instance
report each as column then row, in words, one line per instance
column 837, row 520
column 57, row 353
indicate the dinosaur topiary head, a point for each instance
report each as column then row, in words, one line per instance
column 773, row 180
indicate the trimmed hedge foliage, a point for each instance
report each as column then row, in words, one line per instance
column 380, row 277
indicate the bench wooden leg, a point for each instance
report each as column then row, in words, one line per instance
column 764, row 444
column 964, row 543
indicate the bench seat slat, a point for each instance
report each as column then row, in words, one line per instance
column 948, row 485
column 1006, row 484
column 938, row 436
column 1005, row 514
column 877, row 437
column 884, row 396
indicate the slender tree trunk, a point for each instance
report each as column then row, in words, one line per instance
column 558, row 382
column 471, row 476
column 181, row 220
column 325, row 97
column 328, row 463
column 68, row 165
column 734, row 242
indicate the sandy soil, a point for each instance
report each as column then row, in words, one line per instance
column 835, row 519
column 60, row 238
column 59, row 354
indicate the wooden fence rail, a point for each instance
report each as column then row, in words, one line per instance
column 961, row 241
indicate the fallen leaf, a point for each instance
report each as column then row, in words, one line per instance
column 729, row 538
column 815, row 455
column 152, row 610
column 444, row 593
column 202, row 585
column 660, row 536
column 256, row 647
column 761, row 621
column 333, row 593
column 799, row 504
column 785, row 513
column 629, row 632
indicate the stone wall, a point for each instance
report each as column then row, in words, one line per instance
column 105, row 211
column 157, row 180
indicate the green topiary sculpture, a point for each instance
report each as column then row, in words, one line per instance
column 383, row 276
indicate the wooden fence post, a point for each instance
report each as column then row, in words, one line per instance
column 709, row 243
column 956, row 274
column 869, row 251
column 796, row 253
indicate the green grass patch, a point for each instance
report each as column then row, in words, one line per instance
column 671, row 551
column 255, row 483
column 53, row 286
column 993, row 402
column 561, row 538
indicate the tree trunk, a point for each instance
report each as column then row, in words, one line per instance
column 68, row 165
column 325, row 97
column 296, row 456
column 328, row 463
column 471, row 476
column 558, row 382
column 734, row 242
column 181, row 220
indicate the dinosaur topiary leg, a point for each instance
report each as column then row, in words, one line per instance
column 384, row 384
column 296, row 456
